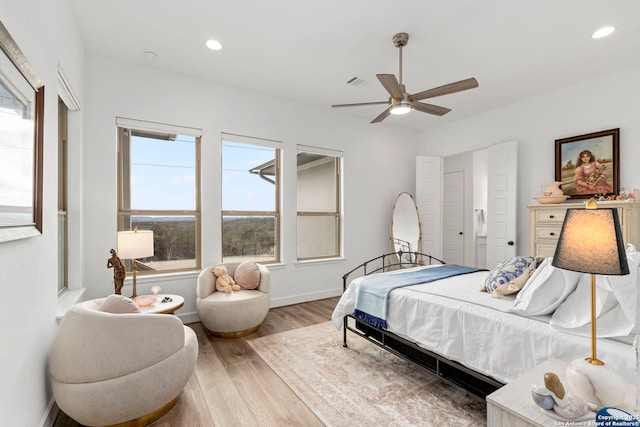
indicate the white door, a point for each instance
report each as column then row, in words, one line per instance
column 502, row 177
column 429, row 202
column 453, row 218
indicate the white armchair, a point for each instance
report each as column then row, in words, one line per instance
column 235, row 314
column 110, row 368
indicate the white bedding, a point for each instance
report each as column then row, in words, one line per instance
column 452, row 318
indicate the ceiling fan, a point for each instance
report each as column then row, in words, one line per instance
column 401, row 102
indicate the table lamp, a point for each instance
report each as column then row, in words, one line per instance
column 133, row 245
column 591, row 242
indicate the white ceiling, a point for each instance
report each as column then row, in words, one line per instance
column 306, row 50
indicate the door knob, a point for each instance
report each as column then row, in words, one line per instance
column 460, row 233
column 510, row 243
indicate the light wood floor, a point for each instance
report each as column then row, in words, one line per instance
column 233, row 386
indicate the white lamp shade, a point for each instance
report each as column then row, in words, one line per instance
column 135, row 244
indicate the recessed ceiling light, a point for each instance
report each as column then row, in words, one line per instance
column 603, row 32
column 214, row 44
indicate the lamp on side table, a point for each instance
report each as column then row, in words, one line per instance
column 133, row 245
column 591, row 242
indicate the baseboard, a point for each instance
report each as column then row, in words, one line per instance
column 300, row 298
column 187, row 318
column 50, row 414
column 193, row 317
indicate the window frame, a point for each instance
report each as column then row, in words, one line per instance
column 277, row 146
column 63, row 198
column 338, row 156
column 127, row 128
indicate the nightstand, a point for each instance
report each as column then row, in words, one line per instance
column 512, row 406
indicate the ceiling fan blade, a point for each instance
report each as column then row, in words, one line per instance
column 431, row 109
column 392, row 85
column 446, row 89
column 359, row 104
column 382, row 116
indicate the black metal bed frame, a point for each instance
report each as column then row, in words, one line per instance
column 473, row 381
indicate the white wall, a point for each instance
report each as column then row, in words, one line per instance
column 608, row 102
column 46, row 34
column 377, row 166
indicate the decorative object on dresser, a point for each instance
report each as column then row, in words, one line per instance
column 591, row 242
column 545, row 222
column 133, row 245
column 551, row 194
column 588, row 164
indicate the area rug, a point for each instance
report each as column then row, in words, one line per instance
column 363, row 385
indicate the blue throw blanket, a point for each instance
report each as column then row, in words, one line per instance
column 373, row 292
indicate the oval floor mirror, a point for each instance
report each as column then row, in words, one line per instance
column 405, row 227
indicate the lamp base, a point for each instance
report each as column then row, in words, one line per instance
column 596, row 383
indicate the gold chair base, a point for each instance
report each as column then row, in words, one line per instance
column 234, row 334
column 149, row 418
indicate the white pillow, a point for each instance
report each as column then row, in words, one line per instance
column 617, row 303
column 575, row 311
column 545, row 290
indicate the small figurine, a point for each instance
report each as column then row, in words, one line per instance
column 553, row 396
column 119, row 272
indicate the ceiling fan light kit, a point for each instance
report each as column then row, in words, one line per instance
column 400, row 101
column 401, row 108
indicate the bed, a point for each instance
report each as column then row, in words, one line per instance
column 482, row 342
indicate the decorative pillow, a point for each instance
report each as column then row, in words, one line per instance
column 119, row 304
column 247, row 275
column 510, row 271
column 545, row 290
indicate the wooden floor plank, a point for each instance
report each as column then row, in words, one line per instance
column 233, row 386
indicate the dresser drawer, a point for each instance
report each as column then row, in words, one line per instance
column 545, row 250
column 548, row 232
column 545, row 224
column 550, row 215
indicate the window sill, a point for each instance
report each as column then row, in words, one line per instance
column 66, row 300
column 320, row 261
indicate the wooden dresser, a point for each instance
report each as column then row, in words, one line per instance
column 545, row 223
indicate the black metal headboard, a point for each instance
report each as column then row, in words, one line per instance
column 391, row 261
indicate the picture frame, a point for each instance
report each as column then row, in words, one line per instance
column 588, row 165
column 21, row 143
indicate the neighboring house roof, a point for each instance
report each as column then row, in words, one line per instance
column 268, row 169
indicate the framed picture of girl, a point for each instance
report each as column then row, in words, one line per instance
column 588, row 165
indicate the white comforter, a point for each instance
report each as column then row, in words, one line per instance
column 453, row 318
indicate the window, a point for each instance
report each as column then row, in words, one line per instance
column 318, row 201
column 63, row 221
column 159, row 180
column 250, row 199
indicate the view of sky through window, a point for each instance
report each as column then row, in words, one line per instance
column 242, row 190
column 163, row 173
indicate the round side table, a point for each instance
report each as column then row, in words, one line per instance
column 159, row 307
